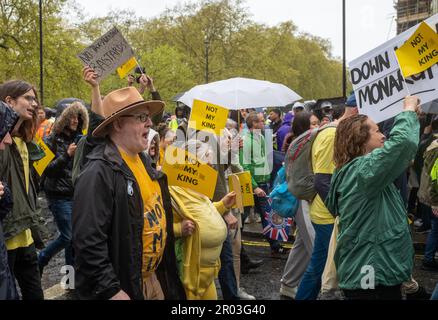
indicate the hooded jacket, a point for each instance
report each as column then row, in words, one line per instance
column 153, row 136
column 108, row 226
column 373, row 225
column 188, row 204
column 8, row 291
column 57, row 181
column 284, row 129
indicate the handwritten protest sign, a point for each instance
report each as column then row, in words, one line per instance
column 420, row 52
column 42, row 164
column 246, row 188
column 107, row 53
column 183, row 169
column 379, row 84
column 208, row 117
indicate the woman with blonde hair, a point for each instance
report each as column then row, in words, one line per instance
column 374, row 254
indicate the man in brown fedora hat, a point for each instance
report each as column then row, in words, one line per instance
column 122, row 218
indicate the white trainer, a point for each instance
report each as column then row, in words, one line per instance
column 245, row 296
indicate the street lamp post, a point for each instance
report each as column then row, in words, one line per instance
column 344, row 64
column 41, row 52
column 206, row 44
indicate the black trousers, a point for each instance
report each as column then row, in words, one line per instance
column 23, row 263
column 379, row 293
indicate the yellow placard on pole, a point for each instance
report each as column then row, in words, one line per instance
column 183, row 169
column 125, row 68
column 208, row 117
column 246, row 186
column 420, row 52
column 42, row 164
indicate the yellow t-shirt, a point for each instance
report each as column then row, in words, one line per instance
column 322, row 162
column 24, row 239
column 154, row 231
column 161, row 159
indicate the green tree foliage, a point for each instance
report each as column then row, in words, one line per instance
column 172, row 48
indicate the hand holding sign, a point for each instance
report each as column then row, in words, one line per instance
column 107, row 53
column 411, row 103
column 90, row 76
column 229, row 200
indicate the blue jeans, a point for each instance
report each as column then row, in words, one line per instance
column 261, row 206
column 432, row 240
column 61, row 210
column 435, row 293
column 227, row 277
column 311, row 282
column 426, row 214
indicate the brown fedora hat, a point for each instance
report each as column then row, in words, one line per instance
column 122, row 102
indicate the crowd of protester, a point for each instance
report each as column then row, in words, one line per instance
column 130, row 235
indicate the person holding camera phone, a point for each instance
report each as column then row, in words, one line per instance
column 57, row 178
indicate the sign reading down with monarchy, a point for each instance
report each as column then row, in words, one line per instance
column 378, row 82
column 107, row 53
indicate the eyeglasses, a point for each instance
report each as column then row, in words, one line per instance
column 143, row 117
column 30, row 98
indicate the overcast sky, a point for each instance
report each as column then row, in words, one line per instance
column 369, row 23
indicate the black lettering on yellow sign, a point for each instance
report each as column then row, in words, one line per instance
column 208, row 125
column 417, row 40
column 210, row 117
column 211, row 109
column 190, row 170
column 193, row 161
column 183, row 178
column 423, row 49
column 428, row 57
column 247, row 188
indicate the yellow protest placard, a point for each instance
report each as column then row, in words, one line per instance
column 208, row 117
column 125, row 68
column 183, row 169
column 246, row 186
column 420, row 51
column 42, row 164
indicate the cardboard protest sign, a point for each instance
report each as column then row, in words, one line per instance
column 126, row 68
column 208, row 117
column 420, row 52
column 183, row 169
column 379, row 84
column 42, row 164
column 246, row 188
column 107, row 53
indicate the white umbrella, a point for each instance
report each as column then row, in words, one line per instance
column 241, row 93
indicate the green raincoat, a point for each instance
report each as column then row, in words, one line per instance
column 374, row 238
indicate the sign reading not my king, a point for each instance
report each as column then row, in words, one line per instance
column 107, row 53
column 378, row 82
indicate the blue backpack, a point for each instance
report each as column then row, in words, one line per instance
column 283, row 202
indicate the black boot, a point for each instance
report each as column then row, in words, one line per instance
column 246, row 263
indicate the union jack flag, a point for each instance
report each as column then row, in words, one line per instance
column 275, row 226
